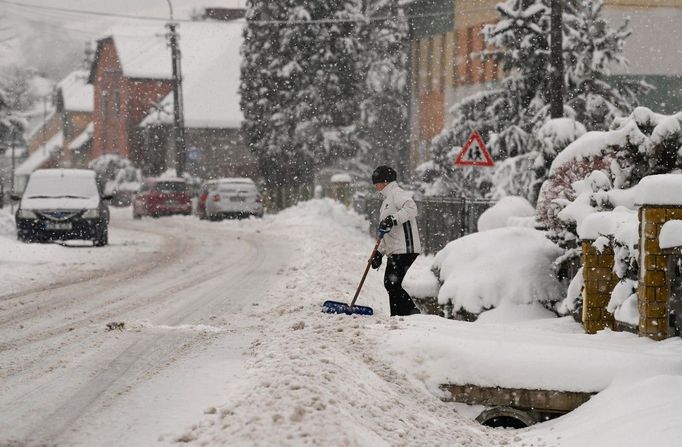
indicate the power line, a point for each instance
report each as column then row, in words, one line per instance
column 85, row 12
column 256, row 22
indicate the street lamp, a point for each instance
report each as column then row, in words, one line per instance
column 178, row 120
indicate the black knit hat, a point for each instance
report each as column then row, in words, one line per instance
column 384, row 174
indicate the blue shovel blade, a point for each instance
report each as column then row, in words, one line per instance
column 336, row 307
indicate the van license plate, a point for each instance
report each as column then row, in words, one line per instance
column 237, row 199
column 58, row 225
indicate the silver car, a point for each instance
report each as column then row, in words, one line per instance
column 232, row 197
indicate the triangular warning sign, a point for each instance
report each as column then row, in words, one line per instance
column 474, row 153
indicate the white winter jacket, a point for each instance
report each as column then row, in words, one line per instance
column 403, row 237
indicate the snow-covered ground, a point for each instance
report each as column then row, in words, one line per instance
column 224, row 344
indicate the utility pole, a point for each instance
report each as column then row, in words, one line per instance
column 11, row 179
column 556, row 84
column 178, row 120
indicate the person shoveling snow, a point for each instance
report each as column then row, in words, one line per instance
column 398, row 239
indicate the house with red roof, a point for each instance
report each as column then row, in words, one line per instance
column 133, row 102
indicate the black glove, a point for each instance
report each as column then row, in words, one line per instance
column 386, row 224
column 376, row 260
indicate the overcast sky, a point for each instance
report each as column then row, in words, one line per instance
column 54, row 41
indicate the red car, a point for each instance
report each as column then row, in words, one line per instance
column 162, row 197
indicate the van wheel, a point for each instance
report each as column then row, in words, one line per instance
column 102, row 239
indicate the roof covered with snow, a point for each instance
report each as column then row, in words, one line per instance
column 210, row 68
column 77, row 94
column 41, row 155
column 83, row 137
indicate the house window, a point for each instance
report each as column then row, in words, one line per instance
column 469, row 59
column 117, row 103
column 104, row 104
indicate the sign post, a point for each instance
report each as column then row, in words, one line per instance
column 474, row 153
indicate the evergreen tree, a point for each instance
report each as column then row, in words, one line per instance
column 510, row 114
column 11, row 125
column 384, row 121
column 300, row 85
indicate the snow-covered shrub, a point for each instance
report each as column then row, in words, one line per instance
column 601, row 205
column 505, row 265
column 500, row 214
column 116, row 175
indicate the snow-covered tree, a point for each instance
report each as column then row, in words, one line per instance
column 300, row 87
column 11, row 125
column 116, row 173
column 510, row 114
column 384, row 120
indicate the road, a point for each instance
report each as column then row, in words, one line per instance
column 187, row 307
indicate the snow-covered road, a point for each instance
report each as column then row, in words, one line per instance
column 61, row 366
column 224, row 343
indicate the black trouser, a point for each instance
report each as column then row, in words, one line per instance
column 396, row 269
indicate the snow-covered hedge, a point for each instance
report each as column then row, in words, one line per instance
column 505, row 265
column 593, row 188
column 502, row 214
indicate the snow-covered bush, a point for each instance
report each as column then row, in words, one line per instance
column 501, row 266
column 116, row 175
column 500, row 215
column 601, row 205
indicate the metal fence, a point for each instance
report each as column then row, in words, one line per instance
column 440, row 220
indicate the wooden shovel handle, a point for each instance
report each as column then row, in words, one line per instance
column 364, row 275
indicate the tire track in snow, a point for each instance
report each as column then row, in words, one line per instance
column 137, row 359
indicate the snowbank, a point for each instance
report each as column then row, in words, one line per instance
column 500, row 214
column 627, row 413
column 327, row 210
column 7, row 225
column 505, row 265
column 553, row 354
column 420, row 281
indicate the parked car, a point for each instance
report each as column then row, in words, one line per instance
column 229, row 197
column 162, row 197
column 62, row 204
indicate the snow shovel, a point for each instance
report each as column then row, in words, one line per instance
column 336, row 307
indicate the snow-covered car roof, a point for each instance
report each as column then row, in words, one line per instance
column 63, row 173
column 165, row 179
column 244, row 180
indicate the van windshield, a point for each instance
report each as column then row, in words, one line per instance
column 47, row 187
